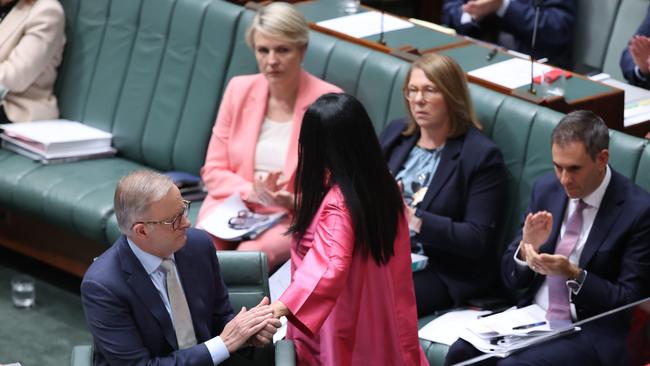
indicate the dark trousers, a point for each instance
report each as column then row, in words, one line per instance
column 3, row 116
column 588, row 347
column 431, row 294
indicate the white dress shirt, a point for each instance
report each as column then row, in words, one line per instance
column 152, row 265
column 593, row 200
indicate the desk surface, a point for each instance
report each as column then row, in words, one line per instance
column 580, row 92
column 422, row 38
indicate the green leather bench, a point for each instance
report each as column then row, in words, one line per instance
column 153, row 71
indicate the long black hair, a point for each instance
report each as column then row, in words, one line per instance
column 338, row 146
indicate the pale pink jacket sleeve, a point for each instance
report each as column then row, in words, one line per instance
column 218, row 177
column 319, row 280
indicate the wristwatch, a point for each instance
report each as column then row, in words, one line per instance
column 576, row 284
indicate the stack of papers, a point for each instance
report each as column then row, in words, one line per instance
column 217, row 222
column 507, row 331
column 56, row 140
column 637, row 102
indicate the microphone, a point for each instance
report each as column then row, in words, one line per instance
column 381, row 41
column 538, row 4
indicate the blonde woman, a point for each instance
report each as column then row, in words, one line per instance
column 254, row 144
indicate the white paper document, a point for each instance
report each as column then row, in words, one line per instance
column 512, row 73
column 280, row 280
column 522, row 321
column 53, row 132
column 446, row 328
column 217, row 222
column 504, row 332
column 637, row 102
column 56, row 139
column 365, row 24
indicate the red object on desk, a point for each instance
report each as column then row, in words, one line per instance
column 552, row 75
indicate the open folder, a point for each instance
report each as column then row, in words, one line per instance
column 217, row 223
column 504, row 332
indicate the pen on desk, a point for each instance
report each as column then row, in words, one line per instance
column 491, row 55
column 526, row 326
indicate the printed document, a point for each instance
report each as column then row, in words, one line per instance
column 365, row 24
column 512, row 73
column 217, row 222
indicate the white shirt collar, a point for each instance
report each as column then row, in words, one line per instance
column 595, row 198
column 149, row 261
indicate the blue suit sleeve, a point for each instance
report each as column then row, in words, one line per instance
column 556, row 21
column 598, row 294
column 223, row 311
column 627, row 63
column 116, row 334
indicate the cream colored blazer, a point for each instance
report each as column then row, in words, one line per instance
column 31, row 44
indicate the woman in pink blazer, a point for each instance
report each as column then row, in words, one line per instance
column 253, row 149
column 31, row 44
column 351, row 298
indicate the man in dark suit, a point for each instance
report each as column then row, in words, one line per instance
column 635, row 60
column 509, row 23
column 156, row 296
column 583, row 249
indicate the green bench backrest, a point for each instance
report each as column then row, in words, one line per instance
column 149, row 71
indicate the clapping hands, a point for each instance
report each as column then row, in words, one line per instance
column 255, row 326
column 640, row 51
column 479, row 9
column 267, row 192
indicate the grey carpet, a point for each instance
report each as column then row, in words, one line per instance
column 44, row 334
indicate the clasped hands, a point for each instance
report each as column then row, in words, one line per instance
column 536, row 231
column 255, row 327
column 267, row 192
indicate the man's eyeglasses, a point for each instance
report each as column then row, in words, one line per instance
column 245, row 220
column 411, row 93
column 175, row 222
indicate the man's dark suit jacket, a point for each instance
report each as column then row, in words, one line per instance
column 554, row 34
column 627, row 63
column 460, row 211
column 616, row 257
column 126, row 314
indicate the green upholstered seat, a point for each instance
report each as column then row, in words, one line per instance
column 593, row 26
column 150, row 72
column 629, row 16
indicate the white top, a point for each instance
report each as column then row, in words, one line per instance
column 272, row 146
column 152, row 265
column 593, row 200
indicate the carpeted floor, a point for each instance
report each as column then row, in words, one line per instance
column 44, row 334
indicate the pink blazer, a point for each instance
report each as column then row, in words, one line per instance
column 345, row 309
column 230, row 161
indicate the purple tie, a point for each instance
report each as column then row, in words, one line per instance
column 559, row 310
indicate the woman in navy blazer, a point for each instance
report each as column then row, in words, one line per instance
column 453, row 181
